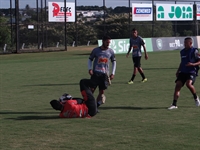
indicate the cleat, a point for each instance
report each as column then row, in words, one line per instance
column 197, row 102
column 130, row 82
column 144, row 80
column 172, row 107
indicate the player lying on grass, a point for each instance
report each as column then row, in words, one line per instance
column 70, row 107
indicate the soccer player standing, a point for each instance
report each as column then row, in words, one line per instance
column 187, row 72
column 98, row 66
column 135, row 45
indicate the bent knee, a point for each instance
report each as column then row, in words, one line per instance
column 92, row 114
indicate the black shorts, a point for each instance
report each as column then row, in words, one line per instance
column 183, row 77
column 136, row 61
column 100, row 80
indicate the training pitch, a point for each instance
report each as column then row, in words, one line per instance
column 134, row 117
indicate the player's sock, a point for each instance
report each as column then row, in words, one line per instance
column 132, row 78
column 143, row 76
column 174, row 102
column 195, row 96
column 98, row 104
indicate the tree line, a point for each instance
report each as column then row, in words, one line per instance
column 116, row 23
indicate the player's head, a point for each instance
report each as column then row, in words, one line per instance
column 134, row 32
column 106, row 41
column 65, row 97
column 188, row 42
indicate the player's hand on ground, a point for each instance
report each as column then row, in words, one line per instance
column 90, row 72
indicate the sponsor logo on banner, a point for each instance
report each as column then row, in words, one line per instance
column 142, row 12
column 174, row 12
column 121, row 46
column 175, row 44
column 198, row 12
column 57, row 12
column 171, row 43
column 159, row 43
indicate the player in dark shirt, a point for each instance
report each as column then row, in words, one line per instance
column 136, row 42
column 187, row 72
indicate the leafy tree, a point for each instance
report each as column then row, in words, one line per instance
column 163, row 29
column 5, row 37
column 115, row 25
column 84, row 34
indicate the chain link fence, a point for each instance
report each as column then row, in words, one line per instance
column 25, row 26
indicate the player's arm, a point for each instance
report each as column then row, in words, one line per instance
column 90, row 60
column 197, row 58
column 144, row 48
column 114, row 64
column 145, row 52
column 129, row 50
column 90, row 66
column 178, row 70
column 197, row 63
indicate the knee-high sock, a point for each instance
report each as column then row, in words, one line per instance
column 88, row 96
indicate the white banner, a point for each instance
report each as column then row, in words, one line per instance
column 57, row 12
column 174, row 12
column 198, row 12
column 142, row 12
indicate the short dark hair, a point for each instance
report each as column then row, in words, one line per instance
column 106, row 37
column 134, row 29
column 188, row 38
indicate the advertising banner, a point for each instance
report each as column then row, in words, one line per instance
column 142, row 12
column 198, row 11
column 170, row 43
column 121, row 46
column 174, row 12
column 57, row 12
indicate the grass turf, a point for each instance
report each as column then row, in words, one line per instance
column 134, row 116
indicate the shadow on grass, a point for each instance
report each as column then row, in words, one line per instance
column 131, row 108
column 7, row 112
column 64, row 84
column 158, row 68
column 53, row 84
column 82, row 54
column 34, row 117
column 123, row 82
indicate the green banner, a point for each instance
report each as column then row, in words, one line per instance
column 121, row 46
column 174, row 12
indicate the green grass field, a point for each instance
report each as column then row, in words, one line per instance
column 134, row 117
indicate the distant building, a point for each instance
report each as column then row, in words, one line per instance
column 90, row 13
